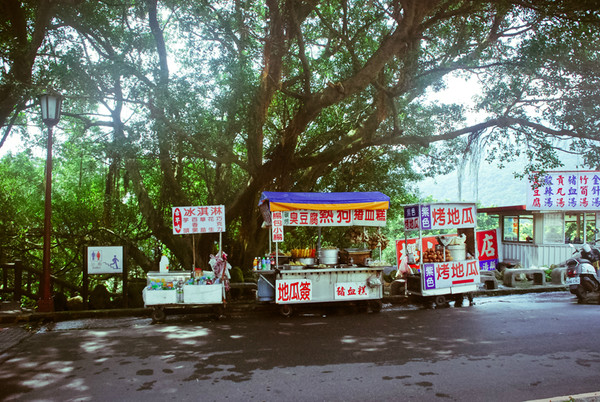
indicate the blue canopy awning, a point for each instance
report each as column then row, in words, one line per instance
column 290, row 201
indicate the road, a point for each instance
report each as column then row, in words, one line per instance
column 505, row 348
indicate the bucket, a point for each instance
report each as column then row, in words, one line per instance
column 458, row 252
column 265, row 291
column 328, row 256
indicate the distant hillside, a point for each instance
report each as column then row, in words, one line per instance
column 495, row 187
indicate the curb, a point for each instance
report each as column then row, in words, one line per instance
column 235, row 308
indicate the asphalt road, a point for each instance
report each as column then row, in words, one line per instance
column 506, row 348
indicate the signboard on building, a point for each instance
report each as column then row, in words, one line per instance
column 564, row 191
column 203, row 219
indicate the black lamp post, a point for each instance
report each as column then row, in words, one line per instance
column 50, row 104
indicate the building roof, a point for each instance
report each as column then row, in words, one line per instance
column 503, row 210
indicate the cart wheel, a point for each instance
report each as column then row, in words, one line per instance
column 158, row 314
column 440, row 301
column 286, row 310
column 376, row 306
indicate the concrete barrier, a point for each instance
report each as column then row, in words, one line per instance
column 488, row 278
column 559, row 276
column 539, row 276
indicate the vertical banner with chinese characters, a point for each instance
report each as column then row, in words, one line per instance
column 204, row 219
column 487, row 248
column 293, row 290
column 277, row 226
column 439, row 216
column 568, row 190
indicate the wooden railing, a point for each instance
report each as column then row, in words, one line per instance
column 19, row 280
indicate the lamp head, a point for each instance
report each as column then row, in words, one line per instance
column 51, row 104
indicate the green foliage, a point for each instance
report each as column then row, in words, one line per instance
column 289, row 96
column 237, row 276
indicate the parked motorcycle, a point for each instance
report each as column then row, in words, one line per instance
column 582, row 273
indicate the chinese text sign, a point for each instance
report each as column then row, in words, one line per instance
column 205, row 219
column 277, row 226
column 447, row 274
column 569, row 190
column 487, row 249
column 439, row 216
column 357, row 217
column 351, row 291
column 293, row 290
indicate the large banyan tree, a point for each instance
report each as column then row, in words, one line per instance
column 197, row 102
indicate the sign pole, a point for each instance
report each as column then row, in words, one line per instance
column 84, row 290
column 193, row 252
column 125, row 281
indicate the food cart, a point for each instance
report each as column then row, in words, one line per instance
column 324, row 278
column 171, row 290
column 444, row 267
column 167, row 289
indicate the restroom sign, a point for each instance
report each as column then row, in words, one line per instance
column 105, row 260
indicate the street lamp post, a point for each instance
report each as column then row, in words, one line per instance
column 50, row 104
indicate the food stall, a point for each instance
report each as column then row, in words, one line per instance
column 198, row 287
column 444, row 269
column 324, row 278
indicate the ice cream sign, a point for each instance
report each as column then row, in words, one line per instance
column 439, row 216
column 204, row 219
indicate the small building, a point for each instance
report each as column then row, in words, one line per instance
column 562, row 210
column 542, row 238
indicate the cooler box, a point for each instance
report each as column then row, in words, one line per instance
column 203, row 294
column 157, row 296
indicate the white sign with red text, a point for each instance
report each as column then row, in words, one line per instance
column 293, row 290
column 204, row 219
column 357, row 217
column 351, row 291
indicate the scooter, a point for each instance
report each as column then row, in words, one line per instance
column 582, row 273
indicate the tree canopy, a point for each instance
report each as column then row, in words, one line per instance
column 174, row 103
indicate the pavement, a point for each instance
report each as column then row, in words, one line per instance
column 16, row 324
